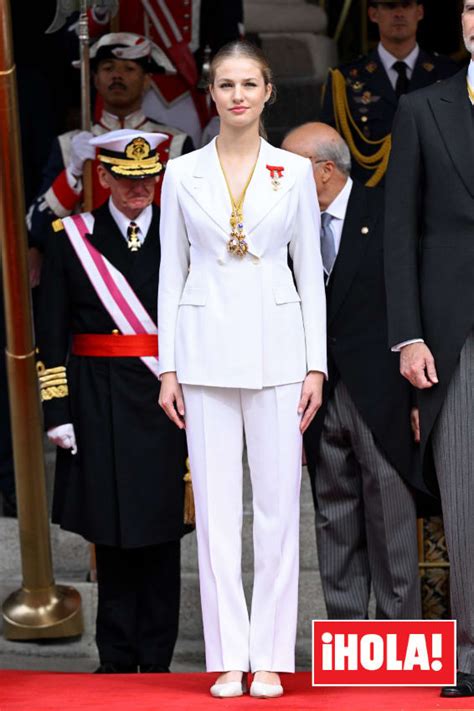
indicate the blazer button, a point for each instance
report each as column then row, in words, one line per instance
column 332, row 339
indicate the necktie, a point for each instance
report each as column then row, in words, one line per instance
column 328, row 247
column 133, row 242
column 401, row 87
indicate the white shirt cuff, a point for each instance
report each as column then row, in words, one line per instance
column 399, row 346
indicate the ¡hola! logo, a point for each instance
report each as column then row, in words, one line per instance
column 384, row 653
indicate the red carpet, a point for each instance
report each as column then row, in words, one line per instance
column 45, row 691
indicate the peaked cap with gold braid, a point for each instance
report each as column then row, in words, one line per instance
column 129, row 154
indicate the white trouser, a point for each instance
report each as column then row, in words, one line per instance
column 216, row 419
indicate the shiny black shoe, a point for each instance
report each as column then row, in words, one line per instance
column 153, row 669
column 464, row 686
column 111, row 668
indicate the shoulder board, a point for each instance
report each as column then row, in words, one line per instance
column 57, row 225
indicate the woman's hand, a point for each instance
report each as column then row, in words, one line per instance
column 311, row 398
column 171, row 399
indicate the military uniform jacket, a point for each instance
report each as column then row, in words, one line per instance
column 124, row 487
column 56, row 197
column 372, row 101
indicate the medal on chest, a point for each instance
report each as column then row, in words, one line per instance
column 276, row 174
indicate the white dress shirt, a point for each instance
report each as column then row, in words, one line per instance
column 388, row 60
column 143, row 221
column 337, row 209
column 470, row 76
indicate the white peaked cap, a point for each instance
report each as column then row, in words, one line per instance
column 118, row 140
column 131, row 46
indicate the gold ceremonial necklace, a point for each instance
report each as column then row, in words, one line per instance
column 470, row 92
column 237, row 243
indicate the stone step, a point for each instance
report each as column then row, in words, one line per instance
column 299, row 56
column 311, row 604
column 71, row 552
column 283, row 16
column 81, row 654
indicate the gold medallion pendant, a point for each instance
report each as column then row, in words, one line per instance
column 237, row 242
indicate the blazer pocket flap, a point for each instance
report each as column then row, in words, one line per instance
column 193, row 296
column 286, row 295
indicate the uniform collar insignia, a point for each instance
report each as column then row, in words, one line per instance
column 428, row 66
column 371, row 67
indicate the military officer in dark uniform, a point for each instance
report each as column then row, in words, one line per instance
column 120, row 461
column 361, row 97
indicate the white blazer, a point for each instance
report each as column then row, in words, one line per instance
column 238, row 322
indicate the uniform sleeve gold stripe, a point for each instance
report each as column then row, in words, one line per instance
column 49, row 383
column 54, row 392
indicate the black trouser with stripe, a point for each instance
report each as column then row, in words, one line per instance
column 137, row 616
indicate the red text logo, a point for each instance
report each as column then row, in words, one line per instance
column 384, row 653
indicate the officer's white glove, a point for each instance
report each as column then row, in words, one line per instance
column 81, row 150
column 63, row 436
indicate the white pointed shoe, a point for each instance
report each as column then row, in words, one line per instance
column 229, row 689
column 259, row 690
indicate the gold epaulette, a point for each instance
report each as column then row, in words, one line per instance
column 346, row 124
column 52, row 381
column 58, row 225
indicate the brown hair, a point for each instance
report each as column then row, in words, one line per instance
column 244, row 48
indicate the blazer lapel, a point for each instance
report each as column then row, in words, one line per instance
column 261, row 196
column 453, row 113
column 108, row 239
column 208, row 189
column 354, row 242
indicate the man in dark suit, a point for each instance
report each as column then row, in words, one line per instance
column 429, row 266
column 361, row 97
column 120, row 461
column 359, row 447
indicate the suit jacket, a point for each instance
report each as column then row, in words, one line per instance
column 357, row 339
column 372, row 99
column 124, row 487
column 429, row 228
column 240, row 322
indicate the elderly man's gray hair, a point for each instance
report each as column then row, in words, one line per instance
column 337, row 151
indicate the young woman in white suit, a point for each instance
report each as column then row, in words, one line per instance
column 242, row 351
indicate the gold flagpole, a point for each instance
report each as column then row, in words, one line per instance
column 87, row 202
column 40, row 609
